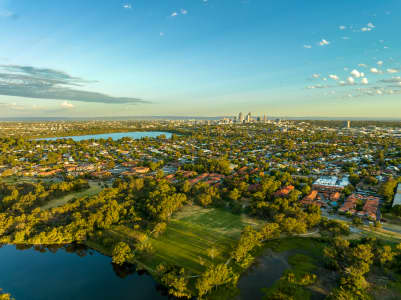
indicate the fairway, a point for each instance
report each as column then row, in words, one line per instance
column 195, row 230
column 93, row 189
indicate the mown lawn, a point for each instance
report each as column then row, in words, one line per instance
column 93, row 189
column 192, row 232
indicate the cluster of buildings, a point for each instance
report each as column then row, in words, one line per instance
column 300, row 153
column 244, row 119
column 370, row 208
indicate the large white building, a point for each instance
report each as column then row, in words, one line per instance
column 332, row 183
column 397, row 197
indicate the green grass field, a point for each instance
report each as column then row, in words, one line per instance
column 94, row 189
column 192, row 232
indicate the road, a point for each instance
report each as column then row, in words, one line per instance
column 386, row 226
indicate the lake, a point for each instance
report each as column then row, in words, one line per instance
column 115, row 136
column 77, row 272
column 266, row 270
column 70, row 272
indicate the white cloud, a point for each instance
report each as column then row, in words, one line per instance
column 362, row 65
column 374, row 70
column 12, row 106
column 174, row 14
column 392, row 71
column 316, row 75
column 184, row 11
column 342, row 82
column 334, row 77
column 380, row 62
column 370, row 25
column 356, row 73
column 67, row 105
column 161, row 33
column 342, row 27
column 364, row 81
column 307, row 46
column 351, row 80
column 127, row 6
column 324, row 42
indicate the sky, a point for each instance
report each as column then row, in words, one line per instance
column 287, row 58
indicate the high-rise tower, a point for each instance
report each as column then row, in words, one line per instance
column 249, row 118
column 241, row 117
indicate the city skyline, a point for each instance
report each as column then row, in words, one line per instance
column 203, row 58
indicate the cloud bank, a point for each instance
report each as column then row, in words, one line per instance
column 42, row 83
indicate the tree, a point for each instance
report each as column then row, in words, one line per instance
column 270, row 231
column 249, row 239
column 387, row 190
column 354, row 179
column 122, row 253
column 5, row 296
column 214, row 276
column 204, row 199
column 212, row 252
column 385, row 255
column 234, row 195
column 159, row 228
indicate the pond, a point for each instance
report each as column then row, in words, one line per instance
column 115, row 136
column 70, row 272
column 266, row 270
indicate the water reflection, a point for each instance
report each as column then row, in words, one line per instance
column 121, row 271
column 71, row 271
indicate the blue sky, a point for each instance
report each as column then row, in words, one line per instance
column 200, row 58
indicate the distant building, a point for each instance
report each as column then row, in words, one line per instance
column 330, row 184
column 249, row 118
column 241, row 117
column 264, row 118
column 284, row 191
column 347, row 124
column 370, row 208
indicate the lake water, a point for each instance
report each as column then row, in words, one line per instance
column 263, row 274
column 115, row 136
column 70, row 272
column 79, row 273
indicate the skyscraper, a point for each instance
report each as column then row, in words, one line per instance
column 249, row 118
column 241, row 117
column 264, row 118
